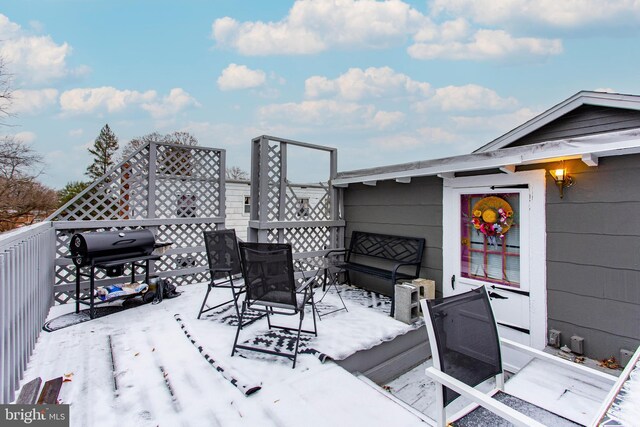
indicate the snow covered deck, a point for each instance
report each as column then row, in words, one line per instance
column 137, row 367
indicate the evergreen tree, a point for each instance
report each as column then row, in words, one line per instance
column 103, row 150
column 71, row 190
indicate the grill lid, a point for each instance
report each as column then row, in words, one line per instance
column 110, row 245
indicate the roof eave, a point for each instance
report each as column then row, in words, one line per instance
column 610, row 144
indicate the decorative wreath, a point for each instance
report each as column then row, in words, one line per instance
column 492, row 216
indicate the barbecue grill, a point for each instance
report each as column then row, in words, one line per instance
column 110, row 251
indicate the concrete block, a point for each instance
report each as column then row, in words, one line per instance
column 553, row 339
column 625, row 356
column 577, row 344
column 406, row 303
column 426, row 289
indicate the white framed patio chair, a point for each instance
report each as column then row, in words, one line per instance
column 466, row 351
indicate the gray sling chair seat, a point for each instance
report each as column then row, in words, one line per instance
column 272, row 289
column 224, row 266
column 466, row 350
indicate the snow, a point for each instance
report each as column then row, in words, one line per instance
column 625, row 409
column 156, row 376
column 573, row 396
column 136, row 367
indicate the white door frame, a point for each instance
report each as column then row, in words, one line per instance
column 536, row 252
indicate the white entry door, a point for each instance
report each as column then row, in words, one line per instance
column 494, row 235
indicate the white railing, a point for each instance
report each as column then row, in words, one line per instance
column 27, row 271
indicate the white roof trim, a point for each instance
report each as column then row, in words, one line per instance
column 609, row 144
column 600, row 99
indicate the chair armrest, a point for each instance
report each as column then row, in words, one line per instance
column 222, row 270
column 305, row 285
column 482, row 399
column 557, row 361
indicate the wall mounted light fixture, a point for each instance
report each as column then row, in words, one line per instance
column 562, row 179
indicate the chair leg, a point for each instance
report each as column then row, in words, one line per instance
column 295, row 354
column 205, row 299
column 313, row 314
column 235, row 342
column 234, row 294
column 500, row 381
column 441, row 412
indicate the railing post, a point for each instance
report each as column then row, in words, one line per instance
column 4, row 331
column 22, row 309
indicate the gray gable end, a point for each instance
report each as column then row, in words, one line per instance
column 584, row 120
column 585, row 113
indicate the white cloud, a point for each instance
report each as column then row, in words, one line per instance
column 465, row 98
column 315, row 26
column 605, row 89
column 32, row 101
column 112, row 100
column 88, row 100
column 486, row 44
column 563, row 14
column 386, row 119
column 373, row 82
column 25, row 137
column 421, row 137
column 177, row 100
column 496, row 123
column 76, row 132
column 33, row 58
column 323, row 113
column 240, row 77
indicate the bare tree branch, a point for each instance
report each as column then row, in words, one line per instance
column 5, row 92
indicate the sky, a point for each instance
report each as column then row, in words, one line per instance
column 384, row 82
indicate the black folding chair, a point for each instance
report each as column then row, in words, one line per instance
column 272, row 289
column 224, row 266
column 466, row 350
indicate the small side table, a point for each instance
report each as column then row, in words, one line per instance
column 330, row 271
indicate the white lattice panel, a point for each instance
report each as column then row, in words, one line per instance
column 317, row 210
column 187, row 182
column 273, row 190
column 121, row 194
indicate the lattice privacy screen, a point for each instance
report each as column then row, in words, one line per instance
column 177, row 191
column 305, row 215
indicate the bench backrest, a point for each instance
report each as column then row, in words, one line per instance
column 384, row 246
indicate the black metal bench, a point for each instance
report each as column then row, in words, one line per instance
column 402, row 257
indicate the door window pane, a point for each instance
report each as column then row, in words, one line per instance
column 490, row 238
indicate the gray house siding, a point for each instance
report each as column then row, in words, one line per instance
column 584, row 120
column 593, row 255
column 413, row 209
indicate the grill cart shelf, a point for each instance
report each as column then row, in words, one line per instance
column 91, row 301
column 111, row 251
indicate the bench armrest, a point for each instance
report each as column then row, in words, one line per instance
column 402, row 264
column 343, row 250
